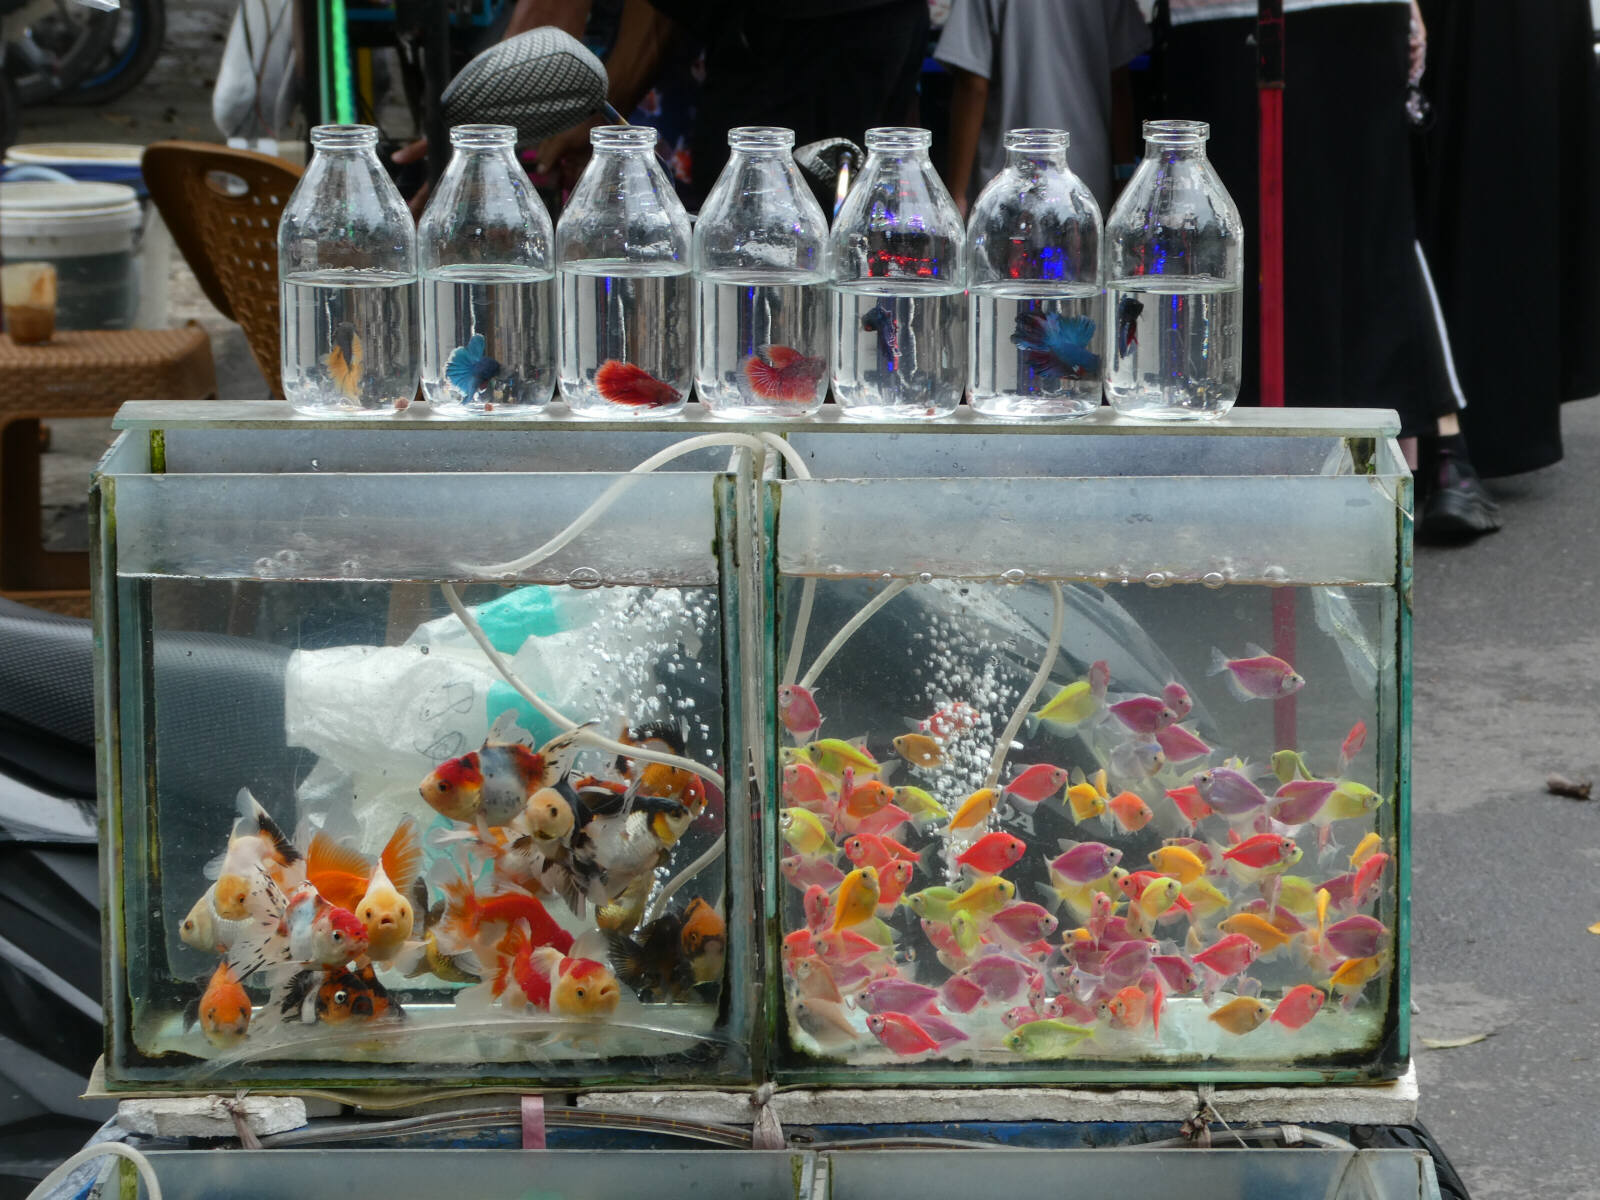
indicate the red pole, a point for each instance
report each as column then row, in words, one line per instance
column 1269, row 84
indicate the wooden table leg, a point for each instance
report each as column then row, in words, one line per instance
column 25, row 565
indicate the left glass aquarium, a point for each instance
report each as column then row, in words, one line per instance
column 422, row 756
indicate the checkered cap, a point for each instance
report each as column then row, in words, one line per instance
column 542, row 81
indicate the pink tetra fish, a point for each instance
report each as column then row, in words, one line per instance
column 1299, row 800
column 961, row 994
column 797, row 709
column 940, row 1030
column 1037, row 784
column 1229, row 956
column 1262, row 676
column 1179, row 745
column 1359, row 936
column 1003, row 978
column 802, row 872
column 1352, row 745
column 1023, row 922
column 1178, row 699
column 898, row 995
column 1084, row 862
column 1143, row 714
column 901, row 1034
column 1262, row 850
column 803, row 788
column 1298, row 1006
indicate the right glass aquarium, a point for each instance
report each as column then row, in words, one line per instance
column 1091, row 755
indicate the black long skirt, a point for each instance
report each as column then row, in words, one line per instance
column 1509, row 215
column 1357, row 329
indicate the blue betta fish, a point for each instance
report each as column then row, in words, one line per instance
column 1055, row 346
column 880, row 320
column 469, row 368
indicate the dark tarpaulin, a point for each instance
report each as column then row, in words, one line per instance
column 1508, row 213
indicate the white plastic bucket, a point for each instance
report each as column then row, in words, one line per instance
column 114, row 162
column 90, row 232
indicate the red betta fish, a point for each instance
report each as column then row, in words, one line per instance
column 783, row 373
column 625, row 383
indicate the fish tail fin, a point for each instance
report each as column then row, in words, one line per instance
column 1050, row 897
column 1219, row 662
column 402, row 856
column 627, row 383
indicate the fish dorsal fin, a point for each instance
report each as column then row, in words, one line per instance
column 258, row 820
column 1067, row 844
column 326, row 856
column 1254, row 651
column 590, row 944
column 506, row 731
column 547, row 961
column 560, row 750
column 402, row 857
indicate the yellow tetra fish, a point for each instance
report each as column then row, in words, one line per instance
column 1087, row 797
column 975, row 809
column 832, row 755
column 1365, row 848
column 1263, row 933
column 1182, row 864
column 803, row 830
column 1354, row 974
column 919, row 750
column 1205, row 899
column 857, row 900
column 1242, row 1014
column 986, row 897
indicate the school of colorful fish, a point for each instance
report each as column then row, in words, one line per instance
column 1255, row 895
column 535, row 899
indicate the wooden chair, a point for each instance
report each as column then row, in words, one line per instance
column 222, row 206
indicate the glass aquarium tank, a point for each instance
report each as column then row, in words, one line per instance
column 1093, row 770
column 411, row 776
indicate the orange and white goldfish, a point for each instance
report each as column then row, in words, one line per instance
column 579, row 987
column 223, row 1010
column 256, row 846
column 375, row 892
column 490, row 786
column 301, row 927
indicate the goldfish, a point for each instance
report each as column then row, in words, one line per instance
column 469, row 917
column 992, row 853
column 901, row 1034
column 953, row 718
column 660, row 780
column 204, row 930
column 336, row 995
column 1261, row 676
column 223, row 1010
column 1190, row 804
column 783, row 373
column 1130, row 811
column 1352, row 745
column 1177, row 698
column 975, row 809
column 832, row 755
column 1182, row 864
column 986, row 897
column 631, row 385
column 705, row 940
column 579, row 987
column 1037, row 783
column 857, row 898
column 933, row 903
column 490, row 786
column 1264, row 934
column 924, row 809
column 1127, row 1008
column 1143, row 714
column 653, row 964
column 893, row 879
column 548, row 815
column 919, row 750
column 1298, row 1006
column 1056, row 346
column 299, row 927
column 1046, row 1039
column 1242, row 1014
column 256, row 846
column 1078, row 702
column 1364, row 849
column 344, row 360
column 374, row 891
column 797, row 709
column 1179, row 745
column 803, row 831
column 630, row 837
column 1262, row 850
column 1083, row 862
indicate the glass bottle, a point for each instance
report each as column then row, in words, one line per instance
column 1033, row 267
column 899, row 287
column 627, row 303
column 347, row 278
column 760, row 250
column 488, row 284
column 1174, row 282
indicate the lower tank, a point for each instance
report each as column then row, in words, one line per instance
column 1016, row 938
column 336, row 709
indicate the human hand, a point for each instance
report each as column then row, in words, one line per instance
column 414, row 152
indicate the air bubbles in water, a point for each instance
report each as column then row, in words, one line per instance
column 925, row 577
column 1275, row 575
column 1156, row 579
column 583, row 577
column 1213, row 579
column 1014, row 575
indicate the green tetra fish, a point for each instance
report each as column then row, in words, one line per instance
column 933, row 903
column 1046, row 1039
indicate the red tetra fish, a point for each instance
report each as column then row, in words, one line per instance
column 1298, row 1006
column 625, row 383
column 783, row 373
column 993, row 853
column 1262, row 850
column 901, row 1034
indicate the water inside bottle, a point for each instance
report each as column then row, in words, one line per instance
column 763, row 349
column 900, row 348
column 1038, row 349
column 349, row 340
column 488, row 338
column 626, row 337
column 1174, row 346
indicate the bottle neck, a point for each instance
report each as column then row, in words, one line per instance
column 1031, row 162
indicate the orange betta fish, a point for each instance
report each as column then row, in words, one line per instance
column 223, row 1010
column 633, row 386
column 490, row 786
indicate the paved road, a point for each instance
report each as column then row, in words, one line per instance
column 1507, row 690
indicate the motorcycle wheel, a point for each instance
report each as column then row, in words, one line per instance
column 73, row 39
column 141, row 29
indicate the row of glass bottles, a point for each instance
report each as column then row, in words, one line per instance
column 1046, row 331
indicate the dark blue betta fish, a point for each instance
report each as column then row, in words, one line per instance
column 880, row 320
column 469, row 368
column 1129, row 310
column 1056, row 347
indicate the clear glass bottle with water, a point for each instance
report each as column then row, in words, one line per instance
column 347, row 276
column 627, row 297
column 484, row 253
column 1033, row 270
column 899, row 287
column 1174, row 282
column 760, row 251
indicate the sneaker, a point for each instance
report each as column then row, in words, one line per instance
column 1458, row 507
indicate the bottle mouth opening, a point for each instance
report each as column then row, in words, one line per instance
column 339, row 137
column 1042, row 141
column 623, row 137
column 469, row 137
column 760, row 137
column 1176, row 133
column 898, row 137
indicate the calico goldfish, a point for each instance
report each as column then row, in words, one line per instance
column 662, row 781
column 257, row 846
column 919, row 750
column 1242, row 1014
column 1261, row 676
column 299, row 927
column 205, row 930
column 797, row 709
column 490, row 786
column 337, row 995
column 223, row 1010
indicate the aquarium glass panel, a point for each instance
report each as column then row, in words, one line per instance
column 1092, row 778
column 349, row 847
